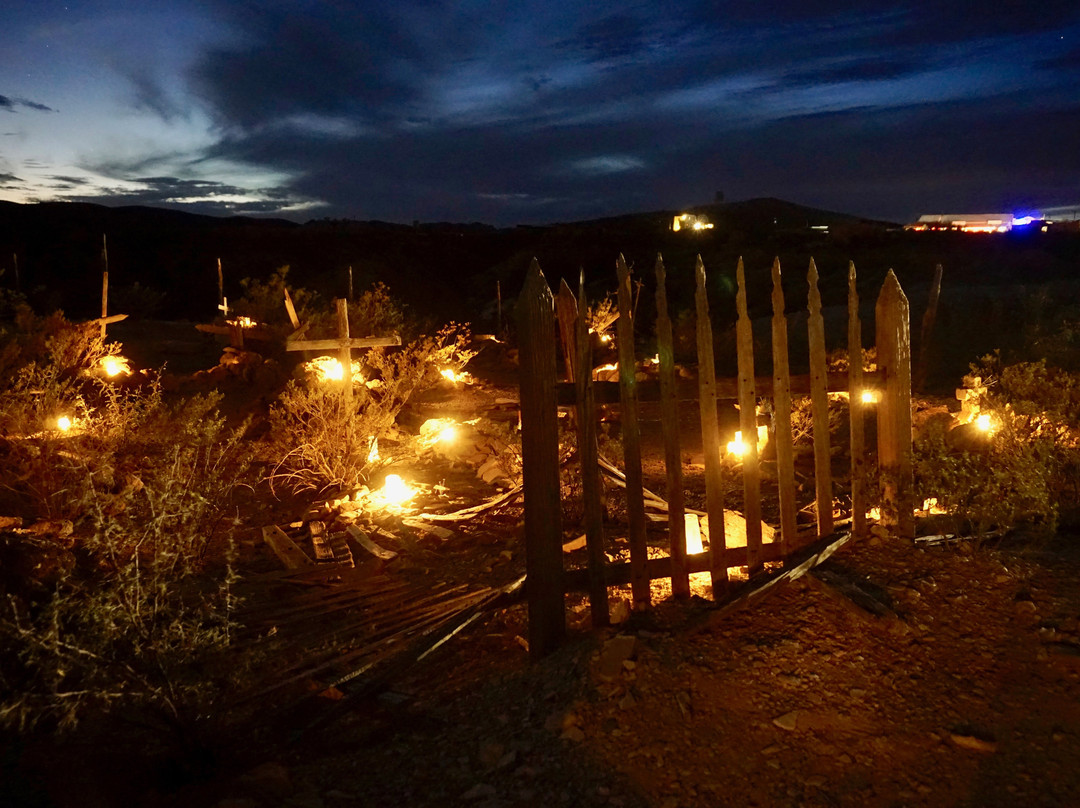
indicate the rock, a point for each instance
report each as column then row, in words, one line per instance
column 573, row 734
column 270, row 780
column 491, row 754
column 616, row 651
column 480, row 791
column 620, row 611
column 788, row 721
column 973, row 743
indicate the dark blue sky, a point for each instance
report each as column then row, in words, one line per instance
column 540, row 111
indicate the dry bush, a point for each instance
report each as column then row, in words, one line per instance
column 121, row 607
column 323, row 444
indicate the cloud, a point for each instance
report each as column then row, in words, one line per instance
column 9, row 181
column 9, row 103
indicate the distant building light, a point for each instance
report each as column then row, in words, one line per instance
column 690, row 221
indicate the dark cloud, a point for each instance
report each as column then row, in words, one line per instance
column 9, row 181
column 9, row 103
column 544, row 110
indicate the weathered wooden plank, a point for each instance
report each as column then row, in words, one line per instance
column 285, row 548
column 104, row 297
column 631, row 437
column 588, row 451
column 344, row 351
column 893, row 331
column 112, row 318
column 290, row 309
column 540, row 465
column 782, row 433
column 926, row 333
column 819, row 406
column 669, row 416
column 566, row 312
column 334, row 343
column 727, row 389
column 744, row 337
column 660, row 568
column 857, row 409
column 365, row 541
column 710, row 434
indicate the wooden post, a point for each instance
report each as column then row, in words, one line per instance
column 926, row 332
column 669, row 416
column 221, row 289
column 782, row 435
column 498, row 308
column 104, row 283
column 748, row 423
column 819, row 407
column 710, row 436
column 350, row 298
column 589, row 454
column 540, row 466
column 345, row 352
column 290, row 309
column 856, row 409
column 15, row 260
column 566, row 314
column 893, row 329
column 631, row 437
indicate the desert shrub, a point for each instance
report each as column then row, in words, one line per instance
column 135, row 621
column 116, row 603
column 264, row 302
column 1007, row 484
column 375, row 313
column 321, row 443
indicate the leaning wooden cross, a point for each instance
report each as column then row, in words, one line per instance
column 343, row 343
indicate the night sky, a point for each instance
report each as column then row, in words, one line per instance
column 534, row 112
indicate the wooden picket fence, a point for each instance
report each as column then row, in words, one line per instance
column 539, row 312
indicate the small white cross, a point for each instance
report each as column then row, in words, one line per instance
column 224, row 306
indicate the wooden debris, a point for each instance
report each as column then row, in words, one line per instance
column 319, row 543
column 362, row 538
column 286, row 549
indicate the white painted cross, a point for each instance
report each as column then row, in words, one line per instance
column 224, row 306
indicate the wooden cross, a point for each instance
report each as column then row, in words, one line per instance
column 343, row 343
column 223, row 306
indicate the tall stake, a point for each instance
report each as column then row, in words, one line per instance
column 669, row 416
column 819, row 407
column 15, row 259
column 893, row 329
column 631, row 435
column 856, row 409
column 220, row 287
column 540, row 465
column 782, row 434
column 104, row 283
column 748, row 422
column 345, row 352
column 710, row 436
column 350, row 284
column 589, row 453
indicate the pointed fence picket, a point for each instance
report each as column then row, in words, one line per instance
column 541, row 395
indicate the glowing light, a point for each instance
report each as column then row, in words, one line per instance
column 454, row 376
column 63, row 423
column 869, row 397
column 737, row 447
column 242, row 321
column 605, row 338
column 930, row 505
column 329, row 369
column 115, row 366
column 1022, row 221
column 984, row 422
column 373, row 455
column 438, row 430
column 395, row 491
column 874, row 513
column 693, row 534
